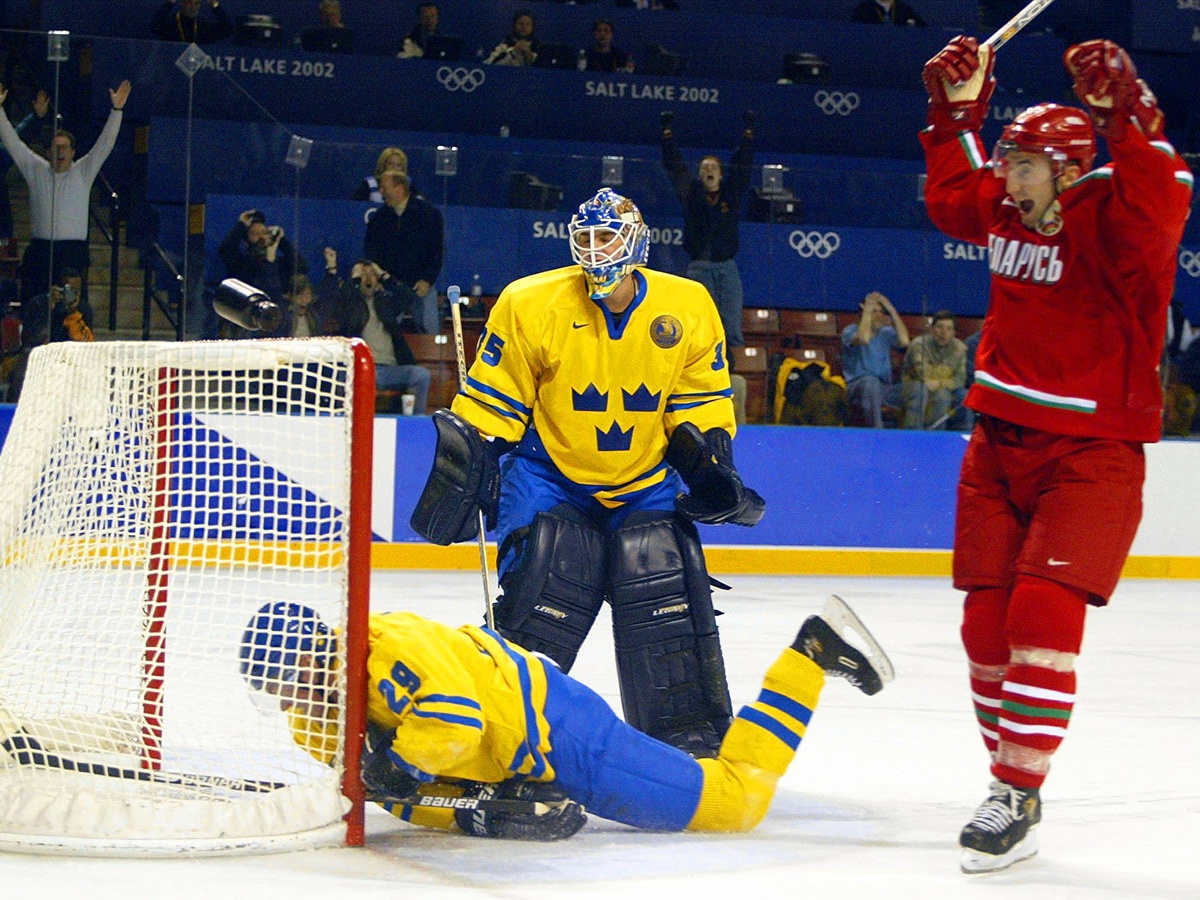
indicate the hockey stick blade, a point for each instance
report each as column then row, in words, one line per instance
column 842, row 618
column 433, row 801
column 28, row 751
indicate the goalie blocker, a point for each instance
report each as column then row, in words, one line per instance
column 465, row 479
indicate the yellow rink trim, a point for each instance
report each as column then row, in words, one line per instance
column 737, row 560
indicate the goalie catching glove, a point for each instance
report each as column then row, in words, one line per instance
column 464, row 480
column 705, row 463
column 960, row 84
column 552, row 816
column 1106, row 81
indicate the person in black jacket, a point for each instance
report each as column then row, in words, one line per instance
column 184, row 25
column 370, row 306
column 260, row 255
column 712, row 204
column 885, row 12
column 406, row 238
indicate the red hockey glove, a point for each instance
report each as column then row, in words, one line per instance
column 960, row 84
column 1106, row 80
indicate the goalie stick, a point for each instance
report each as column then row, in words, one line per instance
column 28, row 751
column 1010, row 28
column 453, row 295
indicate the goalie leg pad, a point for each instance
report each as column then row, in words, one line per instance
column 465, row 478
column 555, row 586
column 669, row 662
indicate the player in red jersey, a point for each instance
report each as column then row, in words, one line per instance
column 1066, row 387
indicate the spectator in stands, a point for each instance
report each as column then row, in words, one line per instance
column 179, row 20
column 520, row 48
column 370, row 306
column 416, row 40
column 331, row 35
column 260, row 255
column 59, row 195
column 712, row 205
column 885, row 12
column 867, row 357
column 602, row 56
column 302, row 316
column 60, row 314
column 963, row 418
column 935, row 374
column 391, row 159
column 406, row 237
column 41, row 106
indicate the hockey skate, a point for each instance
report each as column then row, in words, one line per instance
column 1001, row 831
column 821, row 640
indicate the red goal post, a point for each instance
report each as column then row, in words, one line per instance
column 155, row 495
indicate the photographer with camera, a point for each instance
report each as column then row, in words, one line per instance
column 260, row 255
column 61, row 314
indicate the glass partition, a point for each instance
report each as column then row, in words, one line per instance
column 211, row 133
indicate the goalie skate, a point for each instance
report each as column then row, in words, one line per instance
column 823, row 640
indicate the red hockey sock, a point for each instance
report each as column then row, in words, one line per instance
column 984, row 613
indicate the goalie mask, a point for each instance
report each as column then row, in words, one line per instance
column 1062, row 133
column 609, row 240
column 275, row 639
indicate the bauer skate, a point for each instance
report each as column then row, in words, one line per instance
column 1001, row 831
column 821, row 640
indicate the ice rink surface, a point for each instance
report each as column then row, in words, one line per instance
column 870, row 808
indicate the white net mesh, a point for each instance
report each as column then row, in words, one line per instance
column 155, row 496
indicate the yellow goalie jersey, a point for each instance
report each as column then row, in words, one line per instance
column 603, row 392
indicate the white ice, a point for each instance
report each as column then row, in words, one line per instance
column 870, row 808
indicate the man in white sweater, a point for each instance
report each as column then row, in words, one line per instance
column 59, row 192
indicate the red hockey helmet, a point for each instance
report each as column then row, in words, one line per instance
column 1063, row 133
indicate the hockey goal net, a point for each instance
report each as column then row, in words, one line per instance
column 154, row 496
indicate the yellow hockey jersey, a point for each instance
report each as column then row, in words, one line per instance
column 464, row 703
column 604, row 393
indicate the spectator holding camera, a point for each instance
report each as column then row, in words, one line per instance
column 712, row 205
column 179, row 20
column 60, row 314
column 520, row 48
column 260, row 255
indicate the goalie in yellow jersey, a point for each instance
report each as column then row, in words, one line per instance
column 609, row 383
column 464, row 713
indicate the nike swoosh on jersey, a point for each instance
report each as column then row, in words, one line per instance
column 1057, row 562
column 577, row 325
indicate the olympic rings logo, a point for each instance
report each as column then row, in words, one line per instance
column 460, row 78
column 815, row 243
column 835, row 102
column 1189, row 261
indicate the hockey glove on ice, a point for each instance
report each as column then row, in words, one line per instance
column 705, row 463
column 552, row 815
column 960, row 84
column 1106, row 81
column 380, row 775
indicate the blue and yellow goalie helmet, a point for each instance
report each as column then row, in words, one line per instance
column 609, row 239
column 275, row 639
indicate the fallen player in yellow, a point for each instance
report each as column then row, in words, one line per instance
column 462, row 712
